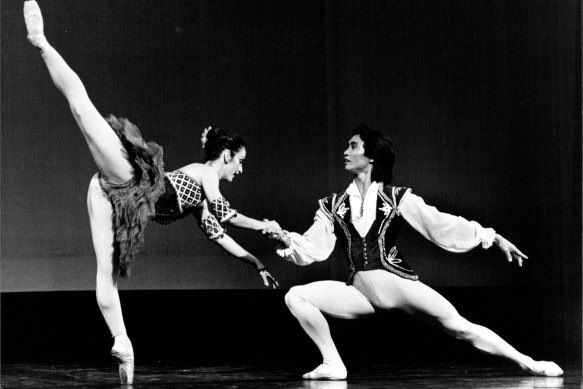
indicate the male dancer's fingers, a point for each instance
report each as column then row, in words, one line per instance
column 277, row 235
column 520, row 257
column 508, row 255
column 519, row 253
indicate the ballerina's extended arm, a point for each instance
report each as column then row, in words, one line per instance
column 222, row 210
column 216, row 233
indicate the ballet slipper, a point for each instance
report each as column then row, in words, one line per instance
column 545, row 368
column 327, row 371
column 34, row 24
column 123, row 352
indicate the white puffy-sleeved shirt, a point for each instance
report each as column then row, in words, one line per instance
column 452, row 233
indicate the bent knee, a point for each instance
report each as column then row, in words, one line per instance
column 458, row 327
column 293, row 297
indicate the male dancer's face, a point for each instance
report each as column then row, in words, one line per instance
column 354, row 159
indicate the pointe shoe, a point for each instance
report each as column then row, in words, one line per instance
column 33, row 19
column 326, row 372
column 125, row 359
column 547, row 369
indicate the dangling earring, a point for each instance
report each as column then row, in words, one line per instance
column 371, row 161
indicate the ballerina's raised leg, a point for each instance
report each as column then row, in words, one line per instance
column 109, row 155
column 105, row 146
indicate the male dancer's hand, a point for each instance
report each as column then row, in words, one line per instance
column 509, row 249
column 271, row 229
column 278, row 234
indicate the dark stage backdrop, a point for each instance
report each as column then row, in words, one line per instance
column 481, row 98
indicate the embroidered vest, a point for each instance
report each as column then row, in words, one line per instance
column 378, row 249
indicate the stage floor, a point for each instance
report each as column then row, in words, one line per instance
column 263, row 375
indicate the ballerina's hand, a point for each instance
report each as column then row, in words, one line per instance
column 509, row 249
column 268, row 278
column 272, row 229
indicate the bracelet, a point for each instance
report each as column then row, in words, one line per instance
column 260, row 269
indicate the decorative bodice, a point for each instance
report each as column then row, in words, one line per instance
column 182, row 195
column 188, row 191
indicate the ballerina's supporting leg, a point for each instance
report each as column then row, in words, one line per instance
column 100, row 212
column 104, row 144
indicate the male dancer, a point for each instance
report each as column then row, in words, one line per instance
column 366, row 219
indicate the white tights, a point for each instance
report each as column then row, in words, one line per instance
column 109, row 155
column 100, row 212
column 384, row 290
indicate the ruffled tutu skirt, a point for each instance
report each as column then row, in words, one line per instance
column 134, row 201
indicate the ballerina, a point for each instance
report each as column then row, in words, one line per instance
column 132, row 188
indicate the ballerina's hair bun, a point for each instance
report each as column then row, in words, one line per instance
column 216, row 139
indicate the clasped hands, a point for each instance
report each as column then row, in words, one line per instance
column 272, row 229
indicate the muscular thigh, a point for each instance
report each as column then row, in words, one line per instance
column 335, row 298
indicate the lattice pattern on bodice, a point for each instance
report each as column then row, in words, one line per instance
column 189, row 192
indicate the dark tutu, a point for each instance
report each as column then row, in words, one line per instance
column 133, row 202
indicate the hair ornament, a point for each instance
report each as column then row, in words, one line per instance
column 203, row 137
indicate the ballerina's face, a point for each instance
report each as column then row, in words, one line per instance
column 234, row 166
